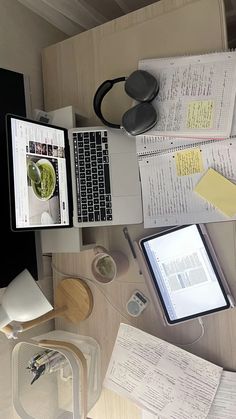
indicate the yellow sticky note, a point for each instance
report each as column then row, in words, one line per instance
column 188, row 162
column 200, row 114
column 218, row 190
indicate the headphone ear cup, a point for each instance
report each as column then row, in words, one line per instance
column 141, row 86
column 139, row 119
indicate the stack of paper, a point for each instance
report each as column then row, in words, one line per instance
column 196, row 101
column 161, row 378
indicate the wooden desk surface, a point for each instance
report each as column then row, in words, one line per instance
column 72, row 71
column 74, row 68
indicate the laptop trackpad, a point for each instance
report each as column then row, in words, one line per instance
column 124, row 174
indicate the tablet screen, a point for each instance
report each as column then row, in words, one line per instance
column 38, row 174
column 184, row 273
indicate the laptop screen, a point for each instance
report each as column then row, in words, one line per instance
column 184, row 273
column 38, row 174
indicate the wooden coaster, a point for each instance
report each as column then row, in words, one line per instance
column 76, row 296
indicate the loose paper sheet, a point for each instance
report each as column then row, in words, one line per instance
column 169, row 199
column 197, row 94
column 218, row 190
column 161, row 377
column 224, row 403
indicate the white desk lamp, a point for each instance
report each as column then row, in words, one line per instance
column 24, row 302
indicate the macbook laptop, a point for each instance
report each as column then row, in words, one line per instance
column 81, row 177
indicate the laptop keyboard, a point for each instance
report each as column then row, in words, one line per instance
column 93, row 176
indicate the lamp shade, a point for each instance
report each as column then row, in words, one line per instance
column 23, row 300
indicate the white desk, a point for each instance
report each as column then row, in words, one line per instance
column 72, row 71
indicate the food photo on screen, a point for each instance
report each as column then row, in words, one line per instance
column 43, row 191
column 39, row 174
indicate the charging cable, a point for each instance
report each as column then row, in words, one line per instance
column 66, row 275
column 185, row 345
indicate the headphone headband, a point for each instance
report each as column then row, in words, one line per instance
column 101, row 92
column 143, row 88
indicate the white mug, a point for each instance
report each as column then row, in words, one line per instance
column 108, row 265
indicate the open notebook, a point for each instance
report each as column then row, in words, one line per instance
column 169, row 176
column 197, row 94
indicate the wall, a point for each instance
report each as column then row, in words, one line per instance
column 22, row 37
column 23, row 34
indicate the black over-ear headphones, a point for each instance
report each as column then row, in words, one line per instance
column 142, row 87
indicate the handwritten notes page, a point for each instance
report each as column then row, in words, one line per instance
column 197, row 94
column 224, row 403
column 160, row 377
column 189, row 162
column 168, row 181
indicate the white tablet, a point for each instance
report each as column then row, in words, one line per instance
column 184, row 273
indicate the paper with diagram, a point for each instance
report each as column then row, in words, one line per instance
column 197, row 94
column 160, row 377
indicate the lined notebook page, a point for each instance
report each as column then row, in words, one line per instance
column 168, row 180
column 196, row 96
